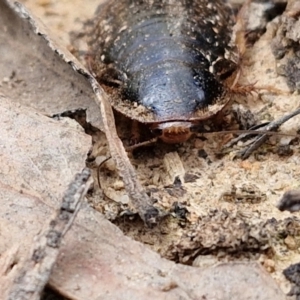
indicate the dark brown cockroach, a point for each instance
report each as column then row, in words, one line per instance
column 169, row 64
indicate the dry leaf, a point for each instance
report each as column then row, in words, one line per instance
column 39, row 69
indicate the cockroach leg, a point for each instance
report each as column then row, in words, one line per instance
column 90, row 63
column 98, row 177
column 141, row 144
column 135, row 133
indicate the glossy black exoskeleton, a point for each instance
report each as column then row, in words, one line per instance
column 169, row 61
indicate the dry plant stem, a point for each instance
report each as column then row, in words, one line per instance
column 272, row 126
column 140, row 200
column 36, row 269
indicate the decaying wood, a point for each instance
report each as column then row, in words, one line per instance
column 36, row 269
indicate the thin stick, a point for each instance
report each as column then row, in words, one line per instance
column 36, row 269
column 271, row 126
column 139, row 198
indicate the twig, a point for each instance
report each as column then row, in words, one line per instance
column 139, row 198
column 36, row 269
column 272, row 126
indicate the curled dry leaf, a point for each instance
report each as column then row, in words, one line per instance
column 39, row 68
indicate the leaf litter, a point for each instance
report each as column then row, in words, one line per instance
column 268, row 174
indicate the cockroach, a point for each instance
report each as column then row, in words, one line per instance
column 167, row 64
